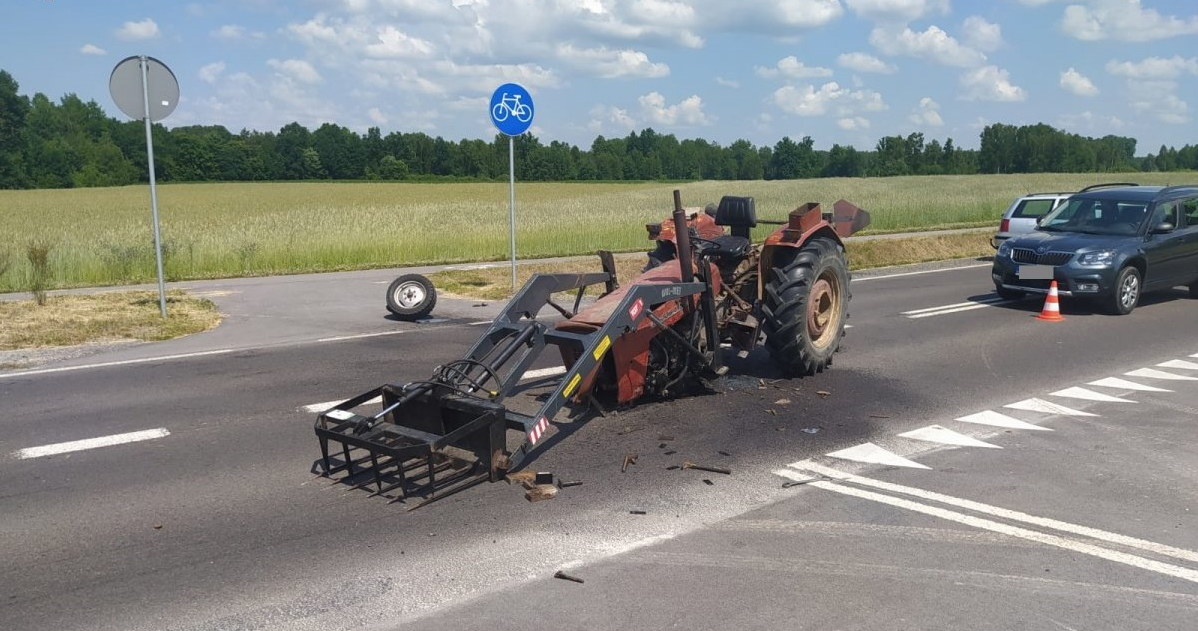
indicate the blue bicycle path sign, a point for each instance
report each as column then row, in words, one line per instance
column 511, row 109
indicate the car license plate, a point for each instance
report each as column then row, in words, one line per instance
column 1035, row 272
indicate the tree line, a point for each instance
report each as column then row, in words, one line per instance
column 72, row 143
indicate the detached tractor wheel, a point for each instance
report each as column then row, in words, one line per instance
column 411, row 297
column 805, row 306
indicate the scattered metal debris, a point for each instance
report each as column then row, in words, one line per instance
column 702, row 467
column 782, row 402
column 665, row 437
column 823, row 393
column 544, row 477
column 669, row 453
column 630, row 459
column 661, row 446
column 772, row 412
column 811, row 430
column 708, row 482
column 673, row 467
column 723, row 453
column 566, row 577
column 565, row 485
column 637, row 512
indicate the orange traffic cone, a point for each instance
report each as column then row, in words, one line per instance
column 1052, row 306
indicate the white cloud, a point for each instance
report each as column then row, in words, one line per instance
column 901, row 11
column 1163, row 106
column 229, row 31
column 806, row 100
column 863, row 62
column 990, row 83
column 92, row 49
column 852, row 123
column 610, row 118
column 1124, row 20
column 926, row 114
column 297, row 69
column 212, row 72
column 791, row 68
column 933, row 44
column 727, row 83
column 980, row 34
column 134, row 31
column 1154, row 68
column 687, row 112
column 1076, row 83
column 612, row 64
column 1090, row 123
column 376, row 116
column 391, row 43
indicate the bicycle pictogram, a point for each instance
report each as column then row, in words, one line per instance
column 510, row 105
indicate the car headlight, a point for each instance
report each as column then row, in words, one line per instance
column 1100, row 258
column 1004, row 249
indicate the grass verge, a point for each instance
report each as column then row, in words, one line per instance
column 104, row 317
column 495, row 283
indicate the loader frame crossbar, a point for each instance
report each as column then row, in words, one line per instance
column 436, row 437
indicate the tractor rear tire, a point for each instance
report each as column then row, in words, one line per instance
column 805, row 306
column 411, row 297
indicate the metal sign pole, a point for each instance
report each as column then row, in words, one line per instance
column 145, row 92
column 511, row 170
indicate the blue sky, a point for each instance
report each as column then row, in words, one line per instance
column 840, row 71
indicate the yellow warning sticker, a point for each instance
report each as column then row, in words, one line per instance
column 602, row 348
column 573, row 384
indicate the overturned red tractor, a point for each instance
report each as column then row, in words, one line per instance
column 707, row 289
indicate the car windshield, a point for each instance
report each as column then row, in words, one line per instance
column 1096, row 216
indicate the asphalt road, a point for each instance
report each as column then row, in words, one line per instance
column 218, row 522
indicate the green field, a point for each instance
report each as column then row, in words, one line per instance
column 102, row 236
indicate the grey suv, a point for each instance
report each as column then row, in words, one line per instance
column 1112, row 244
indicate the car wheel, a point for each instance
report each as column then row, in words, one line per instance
column 411, row 297
column 1128, row 287
column 1009, row 294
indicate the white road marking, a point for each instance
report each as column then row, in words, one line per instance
column 1015, row 531
column 873, row 454
column 1040, row 405
column 361, row 335
column 318, row 408
column 945, row 436
column 1115, row 382
column 1151, row 373
column 978, row 304
column 1178, row 363
column 126, row 362
column 996, row 419
column 1005, row 513
column 1088, row 395
column 959, row 304
column 480, row 323
column 928, row 271
column 1194, row 355
column 544, row 372
column 91, row 443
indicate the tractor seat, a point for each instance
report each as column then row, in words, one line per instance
column 727, row 247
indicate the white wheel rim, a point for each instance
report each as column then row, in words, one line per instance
column 1129, row 291
column 409, row 294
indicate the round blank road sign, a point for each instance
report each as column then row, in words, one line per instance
column 125, row 86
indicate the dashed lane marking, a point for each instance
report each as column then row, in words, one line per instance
column 1004, row 513
column 1088, row 395
column 1046, row 407
column 90, row 443
column 946, row 436
column 1152, row 373
column 1123, row 384
column 996, row 419
column 955, row 308
column 872, row 454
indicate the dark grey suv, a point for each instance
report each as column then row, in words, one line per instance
column 1112, row 244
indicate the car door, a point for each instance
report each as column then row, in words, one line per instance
column 1166, row 253
column 1189, row 215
